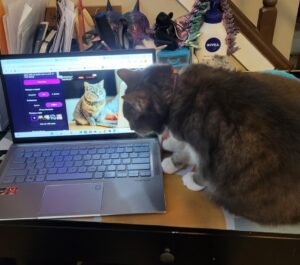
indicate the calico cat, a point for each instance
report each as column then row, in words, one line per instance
column 89, row 107
column 242, row 130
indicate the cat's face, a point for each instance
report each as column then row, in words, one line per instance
column 94, row 92
column 143, row 106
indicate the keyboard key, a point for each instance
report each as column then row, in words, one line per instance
column 101, row 168
column 133, row 173
column 110, row 174
column 40, row 178
column 100, row 151
column 72, row 169
column 140, row 160
column 78, row 163
column 144, row 154
column 88, row 162
column 121, row 174
column 99, row 175
column 62, row 170
column 105, row 156
column 72, row 176
column 124, row 155
column 116, row 155
column 52, row 170
column 121, row 167
column 82, row 169
column 8, row 180
column 18, row 166
column 96, row 156
column 97, row 162
column 30, row 178
column 145, row 173
column 111, row 168
column 107, row 162
column 32, row 171
column 126, row 161
column 87, row 157
column 42, row 171
column 116, row 161
column 133, row 155
column 138, row 166
column 20, row 179
column 59, row 164
column 92, row 169
column 49, row 159
column 19, row 160
column 18, row 172
column 77, row 157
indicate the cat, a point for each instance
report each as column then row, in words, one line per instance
column 180, row 158
column 89, row 107
column 242, row 129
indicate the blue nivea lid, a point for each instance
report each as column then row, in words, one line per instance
column 213, row 15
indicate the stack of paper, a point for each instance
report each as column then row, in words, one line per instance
column 20, row 21
column 65, row 27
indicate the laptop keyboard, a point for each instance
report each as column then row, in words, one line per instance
column 79, row 163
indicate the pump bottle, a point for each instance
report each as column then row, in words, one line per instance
column 212, row 39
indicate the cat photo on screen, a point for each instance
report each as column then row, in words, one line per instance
column 92, row 99
column 241, row 130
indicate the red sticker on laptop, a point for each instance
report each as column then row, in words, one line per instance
column 8, row 191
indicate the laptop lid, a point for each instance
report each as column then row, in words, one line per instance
column 50, row 96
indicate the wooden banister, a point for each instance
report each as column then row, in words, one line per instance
column 267, row 20
column 252, row 34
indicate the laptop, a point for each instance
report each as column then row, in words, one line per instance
column 73, row 152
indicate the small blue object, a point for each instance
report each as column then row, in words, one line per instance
column 282, row 73
column 213, row 15
column 177, row 58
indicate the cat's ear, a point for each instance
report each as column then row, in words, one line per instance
column 138, row 100
column 101, row 83
column 128, row 76
column 86, row 85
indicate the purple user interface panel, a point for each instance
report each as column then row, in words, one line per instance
column 37, row 102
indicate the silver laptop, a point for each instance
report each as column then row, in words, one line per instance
column 74, row 153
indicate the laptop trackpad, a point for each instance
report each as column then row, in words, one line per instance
column 71, row 199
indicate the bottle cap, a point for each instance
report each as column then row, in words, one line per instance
column 213, row 15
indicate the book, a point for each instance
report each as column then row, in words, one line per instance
column 40, row 36
column 48, row 41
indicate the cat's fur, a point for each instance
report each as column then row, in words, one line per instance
column 89, row 107
column 244, row 127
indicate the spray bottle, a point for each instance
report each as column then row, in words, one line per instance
column 212, row 39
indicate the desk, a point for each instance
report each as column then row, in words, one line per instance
column 192, row 231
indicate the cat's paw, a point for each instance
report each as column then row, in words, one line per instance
column 168, row 166
column 172, row 145
column 92, row 122
column 188, row 181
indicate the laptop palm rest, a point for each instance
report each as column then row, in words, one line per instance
column 71, row 199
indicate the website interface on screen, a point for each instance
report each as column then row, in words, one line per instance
column 64, row 96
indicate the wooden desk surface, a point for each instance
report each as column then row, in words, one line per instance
column 185, row 208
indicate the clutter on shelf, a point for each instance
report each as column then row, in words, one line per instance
column 207, row 31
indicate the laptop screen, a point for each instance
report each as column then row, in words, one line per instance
column 68, row 94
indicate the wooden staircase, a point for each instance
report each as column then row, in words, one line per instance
column 255, row 39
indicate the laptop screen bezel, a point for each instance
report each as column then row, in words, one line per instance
column 69, row 54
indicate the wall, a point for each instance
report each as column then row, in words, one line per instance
column 285, row 24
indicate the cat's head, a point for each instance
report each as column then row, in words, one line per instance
column 94, row 92
column 145, row 106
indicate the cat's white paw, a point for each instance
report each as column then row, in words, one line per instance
column 172, row 145
column 168, row 166
column 188, row 181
